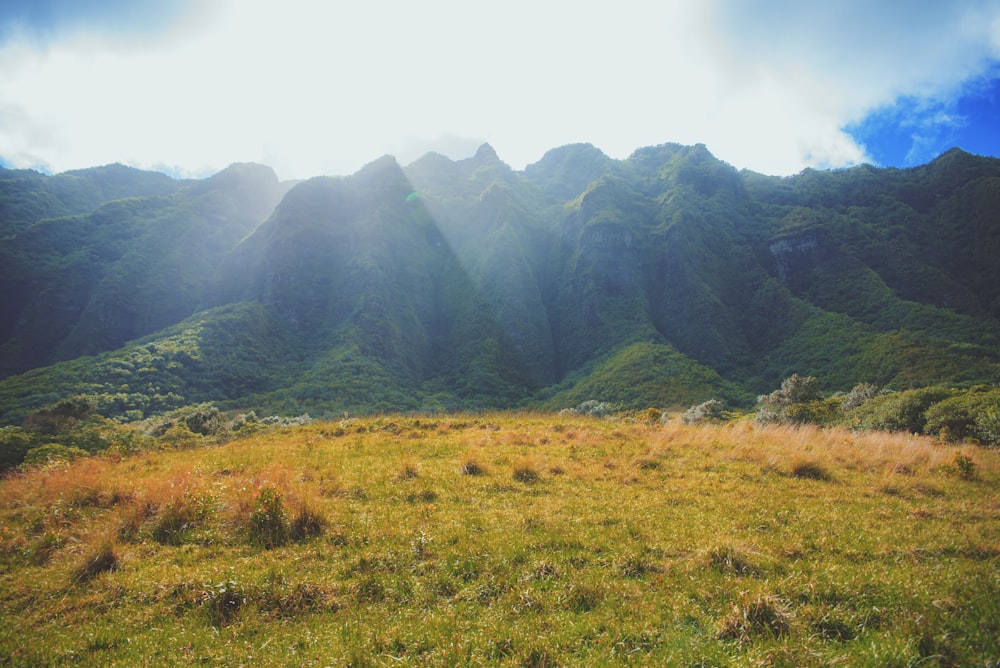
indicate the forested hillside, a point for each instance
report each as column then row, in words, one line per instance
column 665, row 279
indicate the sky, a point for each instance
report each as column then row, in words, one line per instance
column 314, row 87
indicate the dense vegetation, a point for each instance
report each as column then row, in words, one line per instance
column 499, row 539
column 664, row 280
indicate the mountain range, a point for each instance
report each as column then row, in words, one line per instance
column 664, row 279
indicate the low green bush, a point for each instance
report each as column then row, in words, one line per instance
column 51, row 452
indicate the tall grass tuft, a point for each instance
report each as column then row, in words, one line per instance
column 525, row 471
column 104, row 559
column 307, row 523
column 132, row 518
column 177, row 518
column 728, row 559
column 809, row 469
column 755, row 617
column 268, row 526
column 222, row 602
column 472, row 467
column 408, row 469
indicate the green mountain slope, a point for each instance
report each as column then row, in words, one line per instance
column 231, row 351
column 27, row 197
column 662, row 279
column 80, row 285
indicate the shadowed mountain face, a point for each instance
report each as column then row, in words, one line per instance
column 664, row 279
column 120, row 268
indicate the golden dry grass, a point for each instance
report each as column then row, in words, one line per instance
column 510, row 539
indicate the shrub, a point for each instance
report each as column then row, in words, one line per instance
column 279, row 421
column 126, row 441
column 245, row 421
column 63, row 415
column 52, row 452
column 90, row 438
column 965, row 466
column 14, row 445
column 708, row 411
column 860, row 394
column 823, row 412
column 650, row 415
column 593, row 407
column 952, row 419
column 899, row 411
column 786, row 403
column 202, row 419
column 988, row 424
column 179, row 436
column 971, row 414
column 206, row 420
column 798, row 389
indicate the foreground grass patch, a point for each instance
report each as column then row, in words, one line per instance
column 508, row 539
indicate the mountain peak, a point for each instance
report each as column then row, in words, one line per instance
column 566, row 171
column 384, row 172
column 486, row 154
column 244, row 170
column 386, row 162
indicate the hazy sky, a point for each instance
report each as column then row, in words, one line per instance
column 322, row 87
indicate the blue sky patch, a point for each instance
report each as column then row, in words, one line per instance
column 915, row 130
column 48, row 19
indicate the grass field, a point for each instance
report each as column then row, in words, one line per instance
column 509, row 539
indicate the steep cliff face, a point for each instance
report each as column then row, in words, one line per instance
column 967, row 239
column 496, row 225
column 601, row 300
column 795, row 256
column 350, row 259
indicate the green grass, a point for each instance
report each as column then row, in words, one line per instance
column 522, row 540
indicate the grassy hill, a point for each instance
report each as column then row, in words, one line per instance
column 505, row 539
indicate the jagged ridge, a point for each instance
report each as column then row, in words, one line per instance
column 466, row 284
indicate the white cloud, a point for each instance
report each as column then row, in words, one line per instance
column 323, row 87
